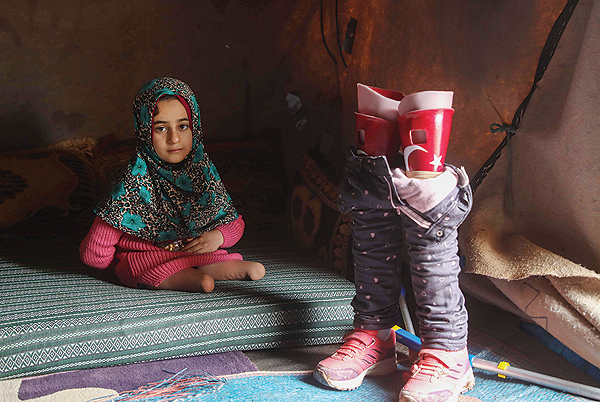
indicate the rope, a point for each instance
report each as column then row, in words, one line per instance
column 511, row 129
column 507, row 128
column 337, row 34
column 323, row 36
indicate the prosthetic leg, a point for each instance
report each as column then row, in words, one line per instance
column 435, row 200
column 377, row 245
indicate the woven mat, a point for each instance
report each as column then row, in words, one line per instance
column 56, row 316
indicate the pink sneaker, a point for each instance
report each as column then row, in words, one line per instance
column 362, row 353
column 438, row 376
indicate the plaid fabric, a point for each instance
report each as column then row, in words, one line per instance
column 56, row 315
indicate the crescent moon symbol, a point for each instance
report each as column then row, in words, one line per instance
column 410, row 149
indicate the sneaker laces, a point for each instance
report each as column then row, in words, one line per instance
column 428, row 366
column 351, row 347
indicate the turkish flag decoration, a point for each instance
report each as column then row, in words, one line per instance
column 424, row 136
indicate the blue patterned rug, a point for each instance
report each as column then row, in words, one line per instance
column 300, row 386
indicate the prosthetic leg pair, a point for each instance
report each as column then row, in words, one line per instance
column 417, row 210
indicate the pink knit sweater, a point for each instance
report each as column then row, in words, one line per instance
column 139, row 261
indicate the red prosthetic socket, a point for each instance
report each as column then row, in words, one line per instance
column 424, row 136
column 376, row 125
column 376, row 136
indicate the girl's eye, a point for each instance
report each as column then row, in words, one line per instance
column 160, row 129
column 183, row 127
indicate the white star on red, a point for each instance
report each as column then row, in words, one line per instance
column 437, row 161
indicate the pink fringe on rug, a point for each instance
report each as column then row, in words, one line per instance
column 180, row 387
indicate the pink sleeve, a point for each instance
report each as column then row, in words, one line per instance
column 97, row 249
column 232, row 232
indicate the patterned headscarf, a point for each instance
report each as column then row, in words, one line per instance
column 160, row 201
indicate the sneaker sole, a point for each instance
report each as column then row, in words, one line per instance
column 386, row 366
column 469, row 384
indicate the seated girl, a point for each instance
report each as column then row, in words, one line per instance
column 168, row 219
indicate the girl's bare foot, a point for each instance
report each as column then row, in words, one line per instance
column 234, row 270
column 255, row 271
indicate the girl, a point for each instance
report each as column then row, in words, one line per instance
column 166, row 222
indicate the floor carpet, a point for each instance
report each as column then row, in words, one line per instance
column 233, row 377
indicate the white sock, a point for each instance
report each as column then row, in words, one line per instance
column 424, row 194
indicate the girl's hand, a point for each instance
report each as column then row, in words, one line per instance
column 205, row 243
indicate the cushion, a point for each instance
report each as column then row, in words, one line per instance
column 57, row 316
column 255, row 178
column 48, row 189
column 110, row 157
column 317, row 227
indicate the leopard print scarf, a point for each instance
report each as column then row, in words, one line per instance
column 160, row 201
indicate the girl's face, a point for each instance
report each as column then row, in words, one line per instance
column 171, row 132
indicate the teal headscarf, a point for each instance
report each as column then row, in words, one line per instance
column 160, row 201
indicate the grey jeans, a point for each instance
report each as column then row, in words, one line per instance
column 383, row 225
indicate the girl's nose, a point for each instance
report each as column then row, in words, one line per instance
column 174, row 137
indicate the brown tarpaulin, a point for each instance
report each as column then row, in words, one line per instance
column 486, row 52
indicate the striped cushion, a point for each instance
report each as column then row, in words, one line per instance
column 56, row 315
